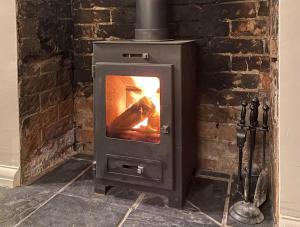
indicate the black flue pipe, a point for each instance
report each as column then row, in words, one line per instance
column 151, row 20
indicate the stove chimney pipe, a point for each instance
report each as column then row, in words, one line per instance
column 151, row 20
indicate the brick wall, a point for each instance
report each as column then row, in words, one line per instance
column 94, row 20
column 45, row 30
column 234, row 58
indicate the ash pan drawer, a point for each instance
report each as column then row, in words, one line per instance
column 134, row 167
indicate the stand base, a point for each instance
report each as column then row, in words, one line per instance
column 246, row 213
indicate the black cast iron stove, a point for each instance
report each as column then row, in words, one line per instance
column 144, row 109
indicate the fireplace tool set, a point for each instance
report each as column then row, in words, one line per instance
column 247, row 211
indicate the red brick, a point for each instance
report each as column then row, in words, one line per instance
column 57, row 129
column 84, row 112
column 214, row 113
column 49, row 116
column 66, row 108
column 216, row 131
column 84, row 136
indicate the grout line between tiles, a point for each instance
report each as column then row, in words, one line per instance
column 213, row 178
column 226, row 206
column 132, row 208
column 54, row 195
column 201, row 212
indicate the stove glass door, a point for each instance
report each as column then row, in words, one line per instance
column 133, row 108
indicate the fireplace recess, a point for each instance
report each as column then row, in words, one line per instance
column 144, row 109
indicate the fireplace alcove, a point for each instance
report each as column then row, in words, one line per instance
column 222, row 79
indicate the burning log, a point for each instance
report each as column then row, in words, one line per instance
column 138, row 112
column 154, row 121
column 153, row 137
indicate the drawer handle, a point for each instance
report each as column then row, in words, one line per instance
column 139, row 169
column 142, row 55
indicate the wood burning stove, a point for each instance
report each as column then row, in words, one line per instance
column 144, row 110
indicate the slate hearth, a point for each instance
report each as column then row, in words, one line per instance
column 65, row 197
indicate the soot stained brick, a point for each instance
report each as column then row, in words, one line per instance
column 251, row 63
column 221, row 81
column 229, row 45
column 250, row 28
column 91, row 16
column 212, row 12
column 195, row 29
column 215, row 63
column 107, row 3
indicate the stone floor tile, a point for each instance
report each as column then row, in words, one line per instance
column 141, row 218
column 157, row 205
column 64, row 173
column 78, row 205
column 72, row 211
column 209, row 196
column 84, row 187
column 17, row 203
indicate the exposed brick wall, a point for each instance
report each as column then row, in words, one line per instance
column 94, row 20
column 234, row 58
column 45, row 29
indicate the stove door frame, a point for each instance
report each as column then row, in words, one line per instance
column 111, row 152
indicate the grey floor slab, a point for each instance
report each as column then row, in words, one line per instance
column 64, row 173
column 209, row 196
column 78, row 205
column 154, row 209
column 84, row 187
column 141, row 218
column 72, row 211
column 19, row 202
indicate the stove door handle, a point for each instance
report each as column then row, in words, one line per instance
column 165, row 129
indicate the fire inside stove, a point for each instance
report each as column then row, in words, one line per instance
column 133, row 108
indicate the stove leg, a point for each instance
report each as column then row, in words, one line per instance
column 176, row 201
column 101, row 189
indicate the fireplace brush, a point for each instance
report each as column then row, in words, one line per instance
column 247, row 211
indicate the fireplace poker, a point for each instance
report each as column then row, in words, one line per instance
column 253, row 124
column 265, row 130
column 241, row 139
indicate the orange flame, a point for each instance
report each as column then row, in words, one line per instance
column 150, row 88
column 141, row 124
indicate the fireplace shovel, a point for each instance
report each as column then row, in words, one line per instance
column 260, row 195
